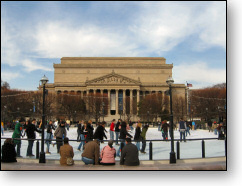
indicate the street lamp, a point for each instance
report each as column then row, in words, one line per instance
column 170, row 81
column 43, row 80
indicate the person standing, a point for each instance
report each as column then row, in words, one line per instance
column 182, row 129
column 17, row 134
column 137, row 136
column 66, row 151
column 8, row 151
column 143, row 137
column 83, row 134
column 164, row 130
column 89, row 129
column 30, row 131
column 108, row 154
column 159, row 125
column 117, row 131
column 210, row 123
column 68, row 123
column 188, row 128
column 59, row 134
column 2, row 128
column 130, row 154
column 79, row 129
column 123, row 134
column 112, row 126
column 49, row 136
column 99, row 133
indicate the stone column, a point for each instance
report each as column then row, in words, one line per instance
column 117, row 102
column 124, row 100
column 109, row 112
column 138, row 99
column 94, row 91
column 131, row 101
column 102, row 92
column 82, row 94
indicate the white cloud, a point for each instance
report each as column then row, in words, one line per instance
column 8, row 76
column 163, row 27
column 199, row 74
column 56, row 41
column 32, row 66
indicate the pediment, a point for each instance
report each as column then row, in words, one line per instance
column 113, row 79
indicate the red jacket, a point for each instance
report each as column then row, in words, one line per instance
column 112, row 126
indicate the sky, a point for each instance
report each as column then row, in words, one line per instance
column 190, row 35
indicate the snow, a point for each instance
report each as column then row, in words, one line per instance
column 161, row 149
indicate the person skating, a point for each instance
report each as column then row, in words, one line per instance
column 30, row 131
column 143, row 137
column 59, row 134
column 137, row 137
column 49, row 137
column 123, row 134
column 99, row 133
column 17, row 134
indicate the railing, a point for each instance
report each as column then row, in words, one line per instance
column 178, row 152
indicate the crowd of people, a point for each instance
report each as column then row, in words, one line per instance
column 90, row 140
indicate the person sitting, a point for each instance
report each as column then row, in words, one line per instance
column 90, row 154
column 66, row 151
column 108, row 154
column 8, row 151
column 129, row 154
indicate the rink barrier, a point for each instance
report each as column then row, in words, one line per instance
column 150, row 145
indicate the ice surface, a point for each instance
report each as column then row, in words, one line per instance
column 161, row 149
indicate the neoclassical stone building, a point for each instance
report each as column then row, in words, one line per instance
column 118, row 77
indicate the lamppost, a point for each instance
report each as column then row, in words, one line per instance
column 43, row 80
column 170, row 81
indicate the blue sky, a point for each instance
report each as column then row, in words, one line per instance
column 191, row 35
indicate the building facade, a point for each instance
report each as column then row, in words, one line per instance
column 118, row 77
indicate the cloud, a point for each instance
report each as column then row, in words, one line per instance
column 166, row 25
column 56, row 41
column 32, row 66
column 199, row 74
column 8, row 76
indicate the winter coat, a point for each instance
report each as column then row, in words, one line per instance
column 182, row 126
column 49, row 128
column 8, row 153
column 66, row 151
column 129, row 155
column 59, row 132
column 165, row 127
column 112, row 126
column 137, row 136
column 124, row 133
column 143, row 133
column 30, row 131
column 108, row 154
column 99, row 133
column 17, row 133
column 91, row 151
column 117, row 127
column 89, row 133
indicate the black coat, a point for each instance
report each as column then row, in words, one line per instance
column 50, row 128
column 89, row 133
column 129, row 155
column 124, row 133
column 30, row 131
column 8, row 153
column 99, row 133
column 117, row 127
column 137, row 136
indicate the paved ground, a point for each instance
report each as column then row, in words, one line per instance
column 188, row 164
